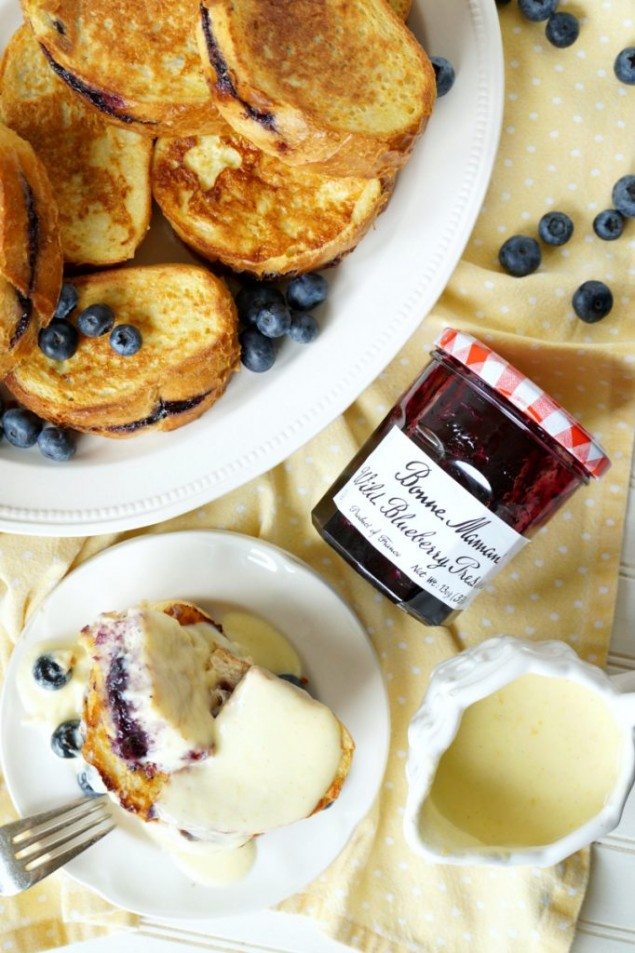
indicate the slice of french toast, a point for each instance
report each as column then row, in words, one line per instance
column 30, row 249
column 341, row 84
column 401, row 7
column 188, row 323
column 235, row 204
column 135, row 61
column 100, row 172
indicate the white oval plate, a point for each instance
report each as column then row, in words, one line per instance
column 128, row 869
column 378, row 297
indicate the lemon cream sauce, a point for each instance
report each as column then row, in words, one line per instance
column 529, row 764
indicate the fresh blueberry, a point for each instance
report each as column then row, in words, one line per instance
column 59, row 340
column 66, row 740
column 307, row 291
column 537, row 9
column 592, row 301
column 609, row 225
column 125, row 339
column 258, row 352
column 624, row 195
column 562, row 29
column 624, row 66
column 304, row 328
column 95, row 320
column 555, row 228
column 57, row 444
column 21, row 427
column 274, row 320
column 445, row 75
column 520, row 255
column 89, row 782
column 67, row 301
column 251, row 300
column 50, row 674
column 293, row 679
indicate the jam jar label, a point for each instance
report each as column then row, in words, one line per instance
column 425, row 523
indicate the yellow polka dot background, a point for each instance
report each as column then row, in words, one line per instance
column 568, row 135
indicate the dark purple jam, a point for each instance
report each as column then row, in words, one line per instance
column 504, row 460
column 130, row 742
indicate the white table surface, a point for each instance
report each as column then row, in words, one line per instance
column 607, row 923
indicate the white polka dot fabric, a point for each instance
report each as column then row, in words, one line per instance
column 569, row 133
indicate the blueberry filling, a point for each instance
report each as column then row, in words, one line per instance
column 131, row 741
column 224, row 82
column 108, row 103
column 33, row 239
column 165, row 408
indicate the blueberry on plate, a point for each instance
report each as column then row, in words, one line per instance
column 287, row 677
column 21, row 427
column 562, row 29
column 537, row 9
column 623, row 195
column 66, row 740
column 592, row 301
column 304, row 328
column 59, row 340
column 624, row 66
column 125, row 339
column 67, row 301
column 51, row 674
column 57, row 443
column 555, row 228
column 95, row 320
column 520, row 255
column 444, row 73
column 307, row 291
column 89, row 782
column 258, row 352
column 274, row 319
column 251, row 300
column 609, row 225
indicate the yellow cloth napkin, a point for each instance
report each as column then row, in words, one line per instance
column 568, row 135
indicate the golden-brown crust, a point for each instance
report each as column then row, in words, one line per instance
column 401, row 7
column 348, row 749
column 136, row 63
column 238, row 205
column 280, row 102
column 182, row 368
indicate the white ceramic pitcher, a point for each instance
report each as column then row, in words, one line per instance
column 475, row 674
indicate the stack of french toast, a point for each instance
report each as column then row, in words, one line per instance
column 269, row 133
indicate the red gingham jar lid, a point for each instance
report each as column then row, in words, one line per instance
column 527, row 397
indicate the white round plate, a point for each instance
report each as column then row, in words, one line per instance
column 378, row 296
column 206, row 568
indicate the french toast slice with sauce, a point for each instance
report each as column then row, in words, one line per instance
column 189, row 351
column 100, row 172
column 30, row 250
column 235, row 204
column 135, row 61
column 340, row 84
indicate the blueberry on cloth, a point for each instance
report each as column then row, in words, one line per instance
column 562, row 29
column 520, row 255
column 21, row 427
column 537, row 9
column 125, row 339
column 304, row 328
column 555, row 228
column 95, row 320
column 307, row 291
column 624, row 66
column 50, row 674
column 257, row 351
column 57, row 443
column 66, row 740
column 623, row 195
column 445, row 75
column 67, row 301
column 59, row 340
column 608, row 225
column 592, row 301
column 251, row 300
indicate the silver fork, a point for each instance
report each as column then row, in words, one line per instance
column 34, row 847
